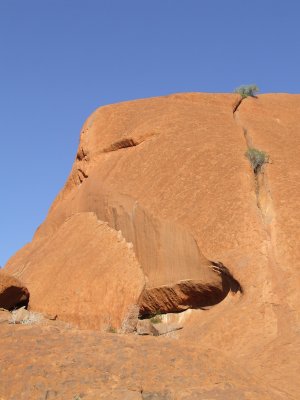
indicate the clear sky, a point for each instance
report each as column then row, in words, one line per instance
column 61, row 59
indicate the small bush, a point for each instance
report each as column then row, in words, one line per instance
column 247, row 90
column 111, row 329
column 257, row 158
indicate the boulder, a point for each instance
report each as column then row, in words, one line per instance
column 148, row 327
column 145, row 327
column 20, row 315
column 163, row 328
column 23, row 316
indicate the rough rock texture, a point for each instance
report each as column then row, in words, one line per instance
column 47, row 362
column 145, row 327
column 4, row 315
column 86, row 271
column 12, row 292
column 181, row 296
column 127, row 173
column 170, row 173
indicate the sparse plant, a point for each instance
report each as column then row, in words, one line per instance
column 257, row 158
column 247, row 90
column 109, row 326
column 157, row 318
column 111, row 329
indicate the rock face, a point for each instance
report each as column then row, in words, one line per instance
column 161, row 186
column 127, row 174
column 90, row 276
column 12, row 292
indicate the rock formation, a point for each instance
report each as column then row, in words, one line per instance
column 137, row 163
column 158, row 188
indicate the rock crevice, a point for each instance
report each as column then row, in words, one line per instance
column 262, row 189
column 121, row 144
column 263, row 193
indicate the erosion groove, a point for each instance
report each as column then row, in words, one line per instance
column 167, row 252
column 248, row 138
column 236, row 105
column 262, row 189
column 81, row 175
column 121, row 144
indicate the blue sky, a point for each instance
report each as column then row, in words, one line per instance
column 61, row 59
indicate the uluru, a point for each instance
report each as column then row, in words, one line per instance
column 168, row 265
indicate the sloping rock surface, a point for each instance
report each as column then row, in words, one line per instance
column 89, row 274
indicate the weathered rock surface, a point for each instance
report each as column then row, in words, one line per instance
column 12, row 292
column 182, row 296
column 171, row 175
column 4, row 315
column 86, row 271
column 128, row 174
column 19, row 316
column 46, row 362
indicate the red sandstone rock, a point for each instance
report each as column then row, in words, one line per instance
column 171, row 175
column 87, row 272
column 138, row 174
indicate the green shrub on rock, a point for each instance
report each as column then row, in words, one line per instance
column 257, row 158
column 247, row 90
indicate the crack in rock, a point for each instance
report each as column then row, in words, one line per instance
column 121, row 144
column 262, row 190
column 263, row 193
column 81, row 175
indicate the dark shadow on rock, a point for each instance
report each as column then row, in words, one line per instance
column 14, row 297
column 188, row 294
